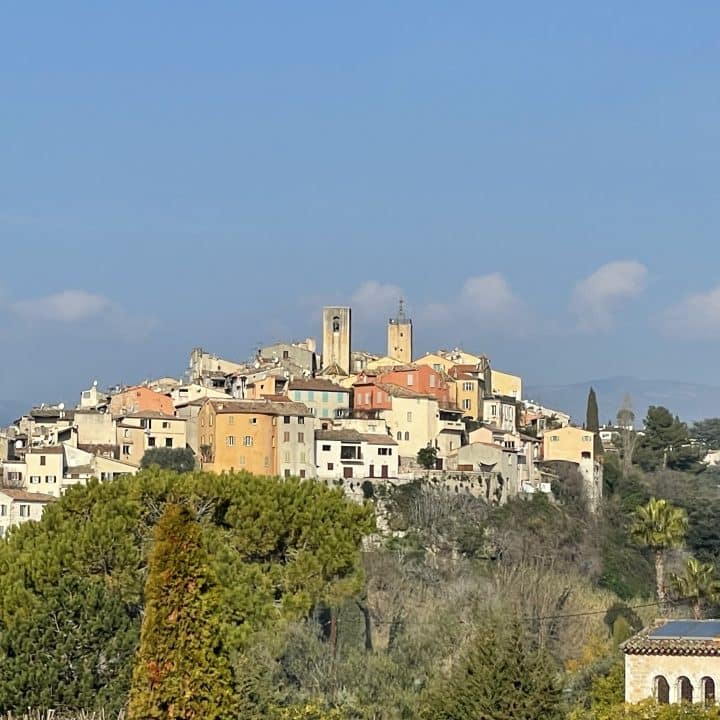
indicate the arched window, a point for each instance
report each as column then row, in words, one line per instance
column 662, row 690
column 685, row 690
column 407, row 435
column 336, row 323
column 708, row 690
column 399, row 435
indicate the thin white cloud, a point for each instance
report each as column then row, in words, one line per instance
column 696, row 317
column 375, row 300
column 68, row 306
column 597, row 298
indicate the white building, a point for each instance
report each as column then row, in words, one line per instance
column 346, row 454
column 18, row 506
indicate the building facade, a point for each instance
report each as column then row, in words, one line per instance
column 337, row 338
column 399, row 336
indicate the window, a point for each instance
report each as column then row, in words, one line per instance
column 350, row 452
column 493, row 410
column 467, row 386
column 241, row 459
column 432, row 381
column 34, row 479
column 336, row 324
column 301, row 437
column 286, row 354
column 168, row 442
column 685, row 690
column 3, row 510
column 437, row 367
column 43, row 460
column 302, row 474
column 298, row 396
column 286, row 419
column 409, row 417
column 399, row 435
column 248, row 441
column 230, row 440
column 51, row 479
column 325, row 413
column 708, row 690
column 301, row 420
column 410, row 378
column 325, row 397
column 407, row 436
column 166, row 424
column 303, row 457
column 24, row 511
column 554, row 438
column 286, row 457
column 231, row 420
column 587, row 438
column 127, row 450
column 211, row 421
column 340, row 397
column 383, row 451
column 151, row 442
column 326, row 448
column 311, row 394
column 466, row 404
column 286, row 473
column 126, row 433
column 330, row 467
column 286, row 436
column 661, row 690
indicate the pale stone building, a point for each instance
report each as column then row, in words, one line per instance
column 673, row 661
column 18, row 506
column 337, row 338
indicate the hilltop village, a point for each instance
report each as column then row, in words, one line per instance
column 345, row 417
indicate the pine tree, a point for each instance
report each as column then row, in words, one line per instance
column 181, row 671
column 502, row 677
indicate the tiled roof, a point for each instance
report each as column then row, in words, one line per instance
column 97, row 448
column 25, row 496
column 644, row 644
column 49, row 450
column 349, row 435
column 260, row 407
column 316, row 384
column 150, row 414
column 402, row 392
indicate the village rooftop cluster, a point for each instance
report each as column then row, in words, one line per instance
column 344, row 417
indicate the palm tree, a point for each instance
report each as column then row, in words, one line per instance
column 698, row 584
column 660, row 526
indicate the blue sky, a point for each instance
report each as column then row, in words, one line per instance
column 539, row 180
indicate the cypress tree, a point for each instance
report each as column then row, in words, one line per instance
column 592, row 422
column 181, row 671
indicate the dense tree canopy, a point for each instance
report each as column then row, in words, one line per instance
column 178, row 459
column 73, row 583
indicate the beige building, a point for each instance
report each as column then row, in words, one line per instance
column 500, row 412
column 204, row 364
column 138, row 432
column 261, row 436
column 505, row 384
column 20, row 506
column 399, row 340
column 94, row 427
column 337, row 338
column 673, row 661
column 325, row 399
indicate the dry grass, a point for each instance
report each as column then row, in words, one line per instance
column 62, row 715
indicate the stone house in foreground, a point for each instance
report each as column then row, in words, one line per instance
column 673, row 661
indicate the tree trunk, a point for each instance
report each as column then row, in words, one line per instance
column 697, row 609
column 365, row 610
column 333, row 632
column 660, row 575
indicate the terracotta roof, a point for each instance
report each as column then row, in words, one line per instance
column 399, row 391
column 96, row 448
column 25, row 496
column 316, row 384
column 79, row 470
column 149, row 414
column 49, row 450
column 348, row 435
column 675, row 644
column 260, row 407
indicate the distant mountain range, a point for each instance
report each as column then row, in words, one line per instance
column 690, row 401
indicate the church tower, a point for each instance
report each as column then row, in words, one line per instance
column 336, row 338
column 399, row 346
